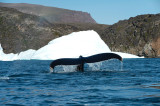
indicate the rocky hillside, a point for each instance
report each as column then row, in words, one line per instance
column 52, row 14
column 139, row 35
column 20, row 31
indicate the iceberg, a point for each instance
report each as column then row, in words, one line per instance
column 84, row 43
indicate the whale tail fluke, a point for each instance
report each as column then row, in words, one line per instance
column 81, row 60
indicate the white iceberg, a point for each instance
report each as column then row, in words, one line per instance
column 127, row 55
column 83, row 43
column 26, row 54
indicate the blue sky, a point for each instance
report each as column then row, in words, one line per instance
column 103, row 11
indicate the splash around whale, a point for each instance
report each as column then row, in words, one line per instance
column 84, row 43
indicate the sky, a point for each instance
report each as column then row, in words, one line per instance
column 102, row 11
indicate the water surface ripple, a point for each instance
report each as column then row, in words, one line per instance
column 137, row 82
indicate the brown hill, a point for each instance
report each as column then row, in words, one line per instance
column 52, row 14
column 20, row 31
column 139, row 35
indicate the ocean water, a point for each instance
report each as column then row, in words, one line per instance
column 134, row 82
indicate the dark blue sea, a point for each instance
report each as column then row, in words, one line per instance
column 134, row 82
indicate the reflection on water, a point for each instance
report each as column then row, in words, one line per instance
column 157, row 86
column 4, row 78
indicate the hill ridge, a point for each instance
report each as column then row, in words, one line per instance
column 52, row 14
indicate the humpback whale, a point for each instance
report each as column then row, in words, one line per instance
column 81, row 60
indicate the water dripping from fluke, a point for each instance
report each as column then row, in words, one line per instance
column 121, row 65
column 63, row 69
